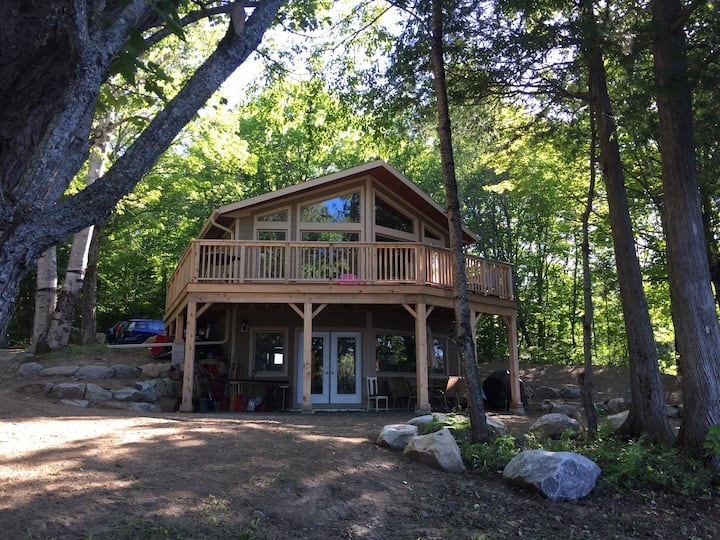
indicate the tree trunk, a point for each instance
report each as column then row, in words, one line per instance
column 586, row 380
column 464, row 334
column 88, row 320
column 62, row 319
column 65, row 55
column 697, row 333
column 45, row 299
column 647, row 411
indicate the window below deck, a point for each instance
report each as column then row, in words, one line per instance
column 396, row 353
column 269, row 352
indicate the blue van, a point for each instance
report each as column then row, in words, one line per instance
column 135, row 331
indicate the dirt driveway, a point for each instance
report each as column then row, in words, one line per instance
column 71, row 473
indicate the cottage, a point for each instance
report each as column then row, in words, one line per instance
column 309, row 290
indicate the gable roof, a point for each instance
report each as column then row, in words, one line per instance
column 387, row 175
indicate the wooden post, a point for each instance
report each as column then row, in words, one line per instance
column 307, row 358
column 189, row 366
column 516, row 404
column 421, row 358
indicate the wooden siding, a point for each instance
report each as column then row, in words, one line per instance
column 340, row 263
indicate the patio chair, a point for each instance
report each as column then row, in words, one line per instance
column 455, row 392
column 374, row 395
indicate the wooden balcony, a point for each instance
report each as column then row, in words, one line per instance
column 236, row 262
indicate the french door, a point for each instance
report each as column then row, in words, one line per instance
column 335, row 367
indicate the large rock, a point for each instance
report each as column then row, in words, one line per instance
column 127, row 394
column 94, row 392
column 94, row 372
column 156, row 370
column 397, row 436
column 545, row 392
column 82, row 403
column 556, row 475
column 28, row 369
column 553, row 425
column 121, row 371
column 617, row 420
column 150, row 390
column 68, row 391
column 437, row 449
column 59, row 371
column 616, row 405
column 496, row 427
column 144, row 407
column 424, row 419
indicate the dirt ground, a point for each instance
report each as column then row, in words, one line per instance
column 69, row 473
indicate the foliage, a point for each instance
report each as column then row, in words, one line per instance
column 712, row 441
column 637, row 466
column 488, row 458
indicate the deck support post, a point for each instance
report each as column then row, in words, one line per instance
column 420, row 313
column 307, row 407
column 516, row 404
column 189, row 362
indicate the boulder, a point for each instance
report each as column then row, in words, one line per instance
column 155, row 370
column 421, row 420
column 550, row 406
column 556, row 475
column 397, row 436
column 28, row 369
column 59, row 371
column 616, row 405
column 143, row 407
column 82, row 403
column 570, row 392
column 68, row 391
column 553, row 425
column 94, row 372
column 150, row 390
column 121, row 371
column 94, row 392
column 618, row 419
column 127, row 394
column 546, row 392
column 437, row 449
column 496, row 427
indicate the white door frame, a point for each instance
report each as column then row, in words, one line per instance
column 330, row 363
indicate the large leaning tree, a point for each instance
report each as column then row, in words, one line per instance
column 56, row 56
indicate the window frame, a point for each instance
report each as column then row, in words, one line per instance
column 281, row 374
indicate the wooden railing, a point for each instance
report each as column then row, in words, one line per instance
column 347, row 263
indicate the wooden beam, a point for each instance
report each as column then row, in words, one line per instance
column 186, row 404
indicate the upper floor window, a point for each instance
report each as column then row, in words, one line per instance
column 341, row 209
column 281, row 216
column 320, row 236
column 272, row 227
column 270, row 235
column 388, row 216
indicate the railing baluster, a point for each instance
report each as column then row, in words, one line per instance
column 232, row 261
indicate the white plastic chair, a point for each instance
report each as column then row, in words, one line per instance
column 373, row 394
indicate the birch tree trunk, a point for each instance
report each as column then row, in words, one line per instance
column 58, row 334
column 697, row 333
column 464, row 334
column 45, row 298
column 88, row 320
